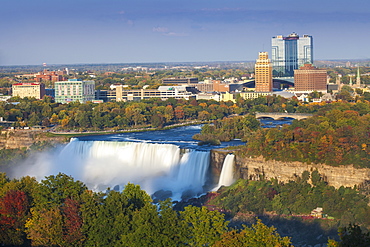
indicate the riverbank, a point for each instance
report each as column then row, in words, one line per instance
column 73, row 133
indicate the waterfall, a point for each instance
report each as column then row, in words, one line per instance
column 227, row 172
column 109, row 164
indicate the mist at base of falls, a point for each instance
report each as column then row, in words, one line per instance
column 165, row 163
column 108, row 164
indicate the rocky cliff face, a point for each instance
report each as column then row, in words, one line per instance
column 217, row 160
column 256, row 168
column 11, row 139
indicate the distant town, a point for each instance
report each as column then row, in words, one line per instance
column 289, row 71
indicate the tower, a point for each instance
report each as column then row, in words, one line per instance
column 263, row 73
column 358, row 78
column 289, row 53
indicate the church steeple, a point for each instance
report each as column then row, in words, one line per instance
column 358, row 78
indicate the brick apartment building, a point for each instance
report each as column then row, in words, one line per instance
column 310, row 78
column 47, row 75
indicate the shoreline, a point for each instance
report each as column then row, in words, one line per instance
column 71, row 134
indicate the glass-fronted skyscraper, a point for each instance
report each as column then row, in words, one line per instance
column 289, row 53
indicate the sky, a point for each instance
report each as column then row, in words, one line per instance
column 33, row 32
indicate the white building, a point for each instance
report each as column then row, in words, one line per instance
column 74, row 90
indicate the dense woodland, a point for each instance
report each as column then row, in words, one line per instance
column 59, row 211
column 296, row 199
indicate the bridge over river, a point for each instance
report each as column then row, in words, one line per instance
column 282, row 115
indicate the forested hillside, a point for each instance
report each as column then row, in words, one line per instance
column 336, row 135
column 59, row 211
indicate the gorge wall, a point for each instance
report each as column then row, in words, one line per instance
column 12, row 139
column 256, row 168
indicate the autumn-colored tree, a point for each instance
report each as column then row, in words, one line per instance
column 14, row 209
column 179, row 112
column 72, row 227
column 169, row 113
column 45, row 227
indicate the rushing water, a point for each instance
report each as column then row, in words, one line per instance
column 227, row 172
column 166, row 162
column 181, row 137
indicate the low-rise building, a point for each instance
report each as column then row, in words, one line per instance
column 253, row 95
column 27, row 89
column 74, row 90
column 163, row 92
column 180, row 80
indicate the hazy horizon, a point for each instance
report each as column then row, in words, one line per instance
column 164, row 31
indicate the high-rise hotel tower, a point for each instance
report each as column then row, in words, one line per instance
column 289, row 53
column 263, row 73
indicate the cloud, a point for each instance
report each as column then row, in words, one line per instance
column 166, row 32
column 160, row 29
column 173, row 34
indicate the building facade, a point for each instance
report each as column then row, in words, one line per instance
column 310, row 78
column 263, row 73
column 163, row 92
column 48, row 75
column 180, row 80
column 289, row 53
column 253, row 95
column 74, row 90
column 36, row 90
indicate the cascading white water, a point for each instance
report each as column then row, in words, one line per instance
column 103, row 164
column 227, row 172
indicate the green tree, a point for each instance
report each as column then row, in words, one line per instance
column 206, row 226
column 55, row 189
column 258, row 235
column 353, row 235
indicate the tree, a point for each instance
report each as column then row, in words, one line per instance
column 179, row 112
column 54, row 190
column 153, row 227
column 13, row 213
column 109, row 221
column 206, row 227
column 157, row 120
column 169, row 113
column 72, row 227
column 258, row 235
column 44, row 228
column 352, row 235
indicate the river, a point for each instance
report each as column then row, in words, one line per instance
column 166, row 162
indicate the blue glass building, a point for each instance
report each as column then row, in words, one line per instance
column 289, row 53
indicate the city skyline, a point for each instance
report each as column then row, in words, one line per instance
column 114, row 31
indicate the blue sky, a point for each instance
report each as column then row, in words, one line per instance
column 132, row 31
